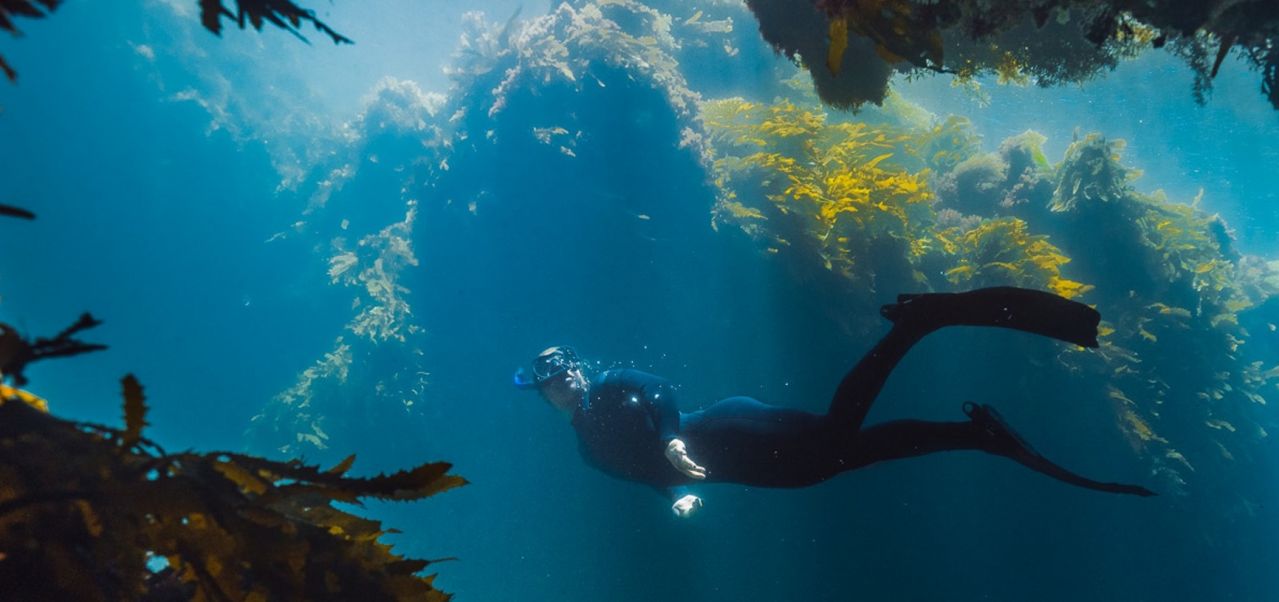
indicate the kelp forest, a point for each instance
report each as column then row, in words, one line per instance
column 725, row 191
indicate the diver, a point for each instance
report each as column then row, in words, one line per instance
column 629, row 426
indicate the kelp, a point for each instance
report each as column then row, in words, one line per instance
column 833, row 189
column 1174, row 358
column 1091, row 172
column 853, row 47
column 352, row 380
column 30, row 9
column 17, row 352
column 375, row 265
column 283, row 14
column 90, row 512
column 11, row 211
column 1173, row 289
column 1003, row 252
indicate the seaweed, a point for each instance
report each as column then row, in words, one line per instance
column 1003, row 252
column 862, row 43
column 90, row 512
column 283, row 14
column 12, row 211
column 17, row 352
column 30, row 9
column 833, row 190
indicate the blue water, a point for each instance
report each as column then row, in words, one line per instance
column 178, row 180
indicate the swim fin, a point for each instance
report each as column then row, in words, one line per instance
column 1022, row 309
column 1004, row 441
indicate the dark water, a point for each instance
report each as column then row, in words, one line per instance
column 202, row 197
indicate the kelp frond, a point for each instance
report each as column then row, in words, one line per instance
column 283, row 14
column 84, row 507
column 840, row 185
column 1003, row 252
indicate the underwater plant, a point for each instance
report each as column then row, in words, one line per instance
column 90, row 512
column 283, row 14
column 853, row 47
column 1001, row 252
column 21, row 8
column 835, row 191
column 11, row 211
column 17, row 352
column 382, row 333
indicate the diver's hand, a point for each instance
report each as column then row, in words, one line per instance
column 685, row 506
column 677, row 454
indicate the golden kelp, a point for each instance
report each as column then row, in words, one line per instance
column 84, row 508
column 1002, row 252
column 837, row 187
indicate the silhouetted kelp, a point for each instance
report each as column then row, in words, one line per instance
column 284, row 14
column 84, row 509
column 281, row 13
column 853, row 47
column 21, row 8
column 17, row 352
column 11, row 211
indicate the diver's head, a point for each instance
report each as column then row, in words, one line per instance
column 558, row 376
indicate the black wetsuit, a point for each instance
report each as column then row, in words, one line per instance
column 629, row 416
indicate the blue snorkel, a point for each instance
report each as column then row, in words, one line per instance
column 522, row 380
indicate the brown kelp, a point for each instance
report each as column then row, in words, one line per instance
column 284, row 14
column 17, row 352
column 87, row 512
column 853, row 47
column 30, row 9
column 12, row 211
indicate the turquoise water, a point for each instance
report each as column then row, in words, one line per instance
column 394, row 218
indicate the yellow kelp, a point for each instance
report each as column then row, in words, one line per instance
column 838, row 187
column 1003, row 252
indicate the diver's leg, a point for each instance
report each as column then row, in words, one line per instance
column 985, row 431
column 861, row 385
column 914, row 316
column 740, row 440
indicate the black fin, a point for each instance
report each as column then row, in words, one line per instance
column 1006, row 442
column 1022, row 309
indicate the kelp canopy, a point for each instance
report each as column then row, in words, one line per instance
column 853, row 47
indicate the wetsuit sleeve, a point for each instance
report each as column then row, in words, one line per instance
column 659, row 401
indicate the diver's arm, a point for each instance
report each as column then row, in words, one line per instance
column 685, row 503
column 659, row 400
